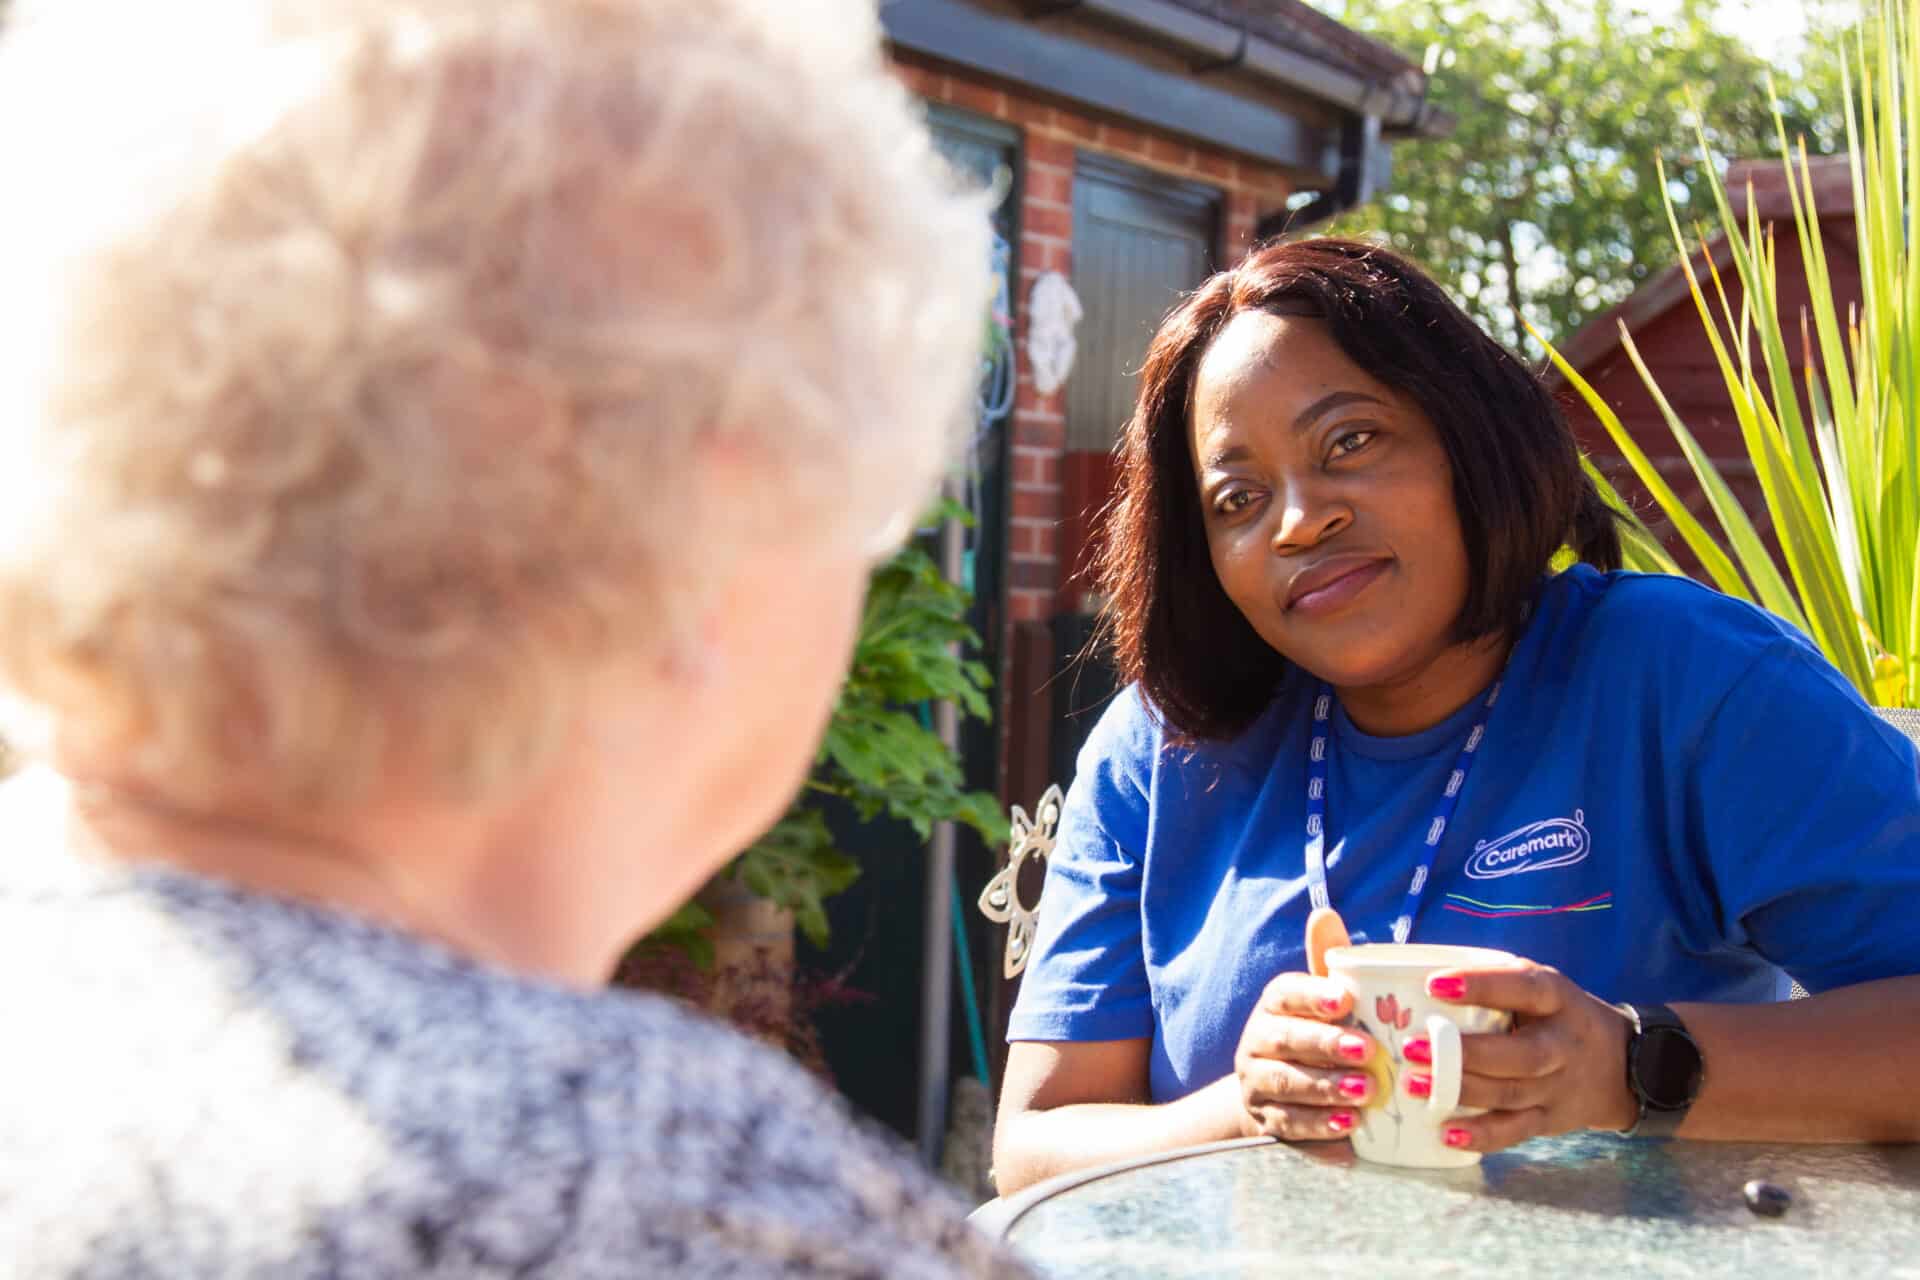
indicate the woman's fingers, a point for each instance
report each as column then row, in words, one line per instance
column 1532, row 1052
column 1558, row 1070
column 1306, row 1124
column 1531, row 990
column 1305, row 1041
column 1492, row 1093
column 1269, row 1082
column 1497, row 1130
column 1301, row 995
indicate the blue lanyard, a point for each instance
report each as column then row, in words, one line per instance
column 1317, row 755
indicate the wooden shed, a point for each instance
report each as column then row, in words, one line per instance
column 1666, row 329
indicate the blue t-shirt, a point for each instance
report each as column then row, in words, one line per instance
column 1677, row 798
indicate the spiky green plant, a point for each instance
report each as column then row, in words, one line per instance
column 1841, row 478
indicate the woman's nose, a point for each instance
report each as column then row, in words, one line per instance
column 1308, row 517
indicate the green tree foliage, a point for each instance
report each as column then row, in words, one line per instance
column 1544, row 199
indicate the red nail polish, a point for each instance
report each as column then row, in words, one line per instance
column 1419, row 1050
column 1353, row 1086
column 1420, row 1086
column 1446, row 988
column 1340, row 1121
column 1458, row 1137
column 1353, row 1048
column 1329, row 1004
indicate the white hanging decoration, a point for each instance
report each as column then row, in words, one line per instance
column 1053, row 311
column 1000, row 901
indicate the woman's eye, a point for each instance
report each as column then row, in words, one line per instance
column 1351, row 442
column 1233, row 501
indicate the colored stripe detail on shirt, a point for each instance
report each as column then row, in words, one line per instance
column 1501, row 911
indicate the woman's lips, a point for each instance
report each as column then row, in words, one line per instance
column 1335, row 594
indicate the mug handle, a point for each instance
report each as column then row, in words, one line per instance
column 1444, row 1037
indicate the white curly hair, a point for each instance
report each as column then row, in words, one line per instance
column 359, row 359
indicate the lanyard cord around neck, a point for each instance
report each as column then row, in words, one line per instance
column 1320, row 751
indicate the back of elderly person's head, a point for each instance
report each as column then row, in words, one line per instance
column 361, row 360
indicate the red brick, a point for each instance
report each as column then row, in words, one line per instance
column 1039, row 432
column 988, row 100
column 1215, row 166
column 1025, row 605
column 1075, row 125
column 1265, row 182
column 1167, row 151
column 1049, row 185
column 1047, row 220
column 1040, row 253
column 917, row 79
column 1032, row 575
column 1036, row 504
column 1035, row 468
column 1120, row 138
column 1029, row 111
column 1042, row 540
column 1055, row 152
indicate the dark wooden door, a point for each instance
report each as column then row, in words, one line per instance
column 1141, row 242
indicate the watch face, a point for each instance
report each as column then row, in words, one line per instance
column 1666, row 1067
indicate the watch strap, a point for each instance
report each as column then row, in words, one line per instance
column 1654, row 1120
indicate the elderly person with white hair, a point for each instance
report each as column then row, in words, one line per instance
column 446, row 441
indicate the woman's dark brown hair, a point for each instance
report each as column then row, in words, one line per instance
column 1517, row 482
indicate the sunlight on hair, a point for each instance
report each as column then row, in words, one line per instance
column 369, row 364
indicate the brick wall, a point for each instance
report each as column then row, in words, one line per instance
column 1052, row 132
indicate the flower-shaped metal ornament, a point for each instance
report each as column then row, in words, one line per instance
column 1012, row 898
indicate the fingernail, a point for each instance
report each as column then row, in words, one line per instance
column 1354, row 1087
column 1420, row 1050
column 1446, row 988
column 1419, row 1086
column 1458, row 1137
column 1340, row 1121
column 1353, row 1047
column 1329, row 1004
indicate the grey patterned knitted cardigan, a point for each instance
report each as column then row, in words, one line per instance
column 197, row 1081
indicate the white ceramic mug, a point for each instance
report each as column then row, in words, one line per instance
column 1388, row 982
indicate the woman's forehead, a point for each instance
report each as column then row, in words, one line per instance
column 1261, row 361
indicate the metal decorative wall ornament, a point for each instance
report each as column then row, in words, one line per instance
column 1002, row 901
column 1053, row 312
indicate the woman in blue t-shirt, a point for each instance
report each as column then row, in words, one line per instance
column 1328, row 588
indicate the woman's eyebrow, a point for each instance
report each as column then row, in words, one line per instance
column 1327, row 403
column 1228, row 456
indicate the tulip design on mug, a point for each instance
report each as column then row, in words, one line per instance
column 1393, row 1021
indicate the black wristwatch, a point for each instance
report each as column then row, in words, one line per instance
column 1664, row 1069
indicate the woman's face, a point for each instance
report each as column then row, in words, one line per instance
column 1328, row 504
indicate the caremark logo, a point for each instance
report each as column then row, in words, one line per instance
column 1557, row 842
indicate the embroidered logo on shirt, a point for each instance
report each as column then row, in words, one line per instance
column 1538, row 846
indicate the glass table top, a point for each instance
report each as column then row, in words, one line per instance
column 1545, row 1207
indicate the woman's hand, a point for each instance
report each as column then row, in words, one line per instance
column 1301, row 1077
column 1561, row 1068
